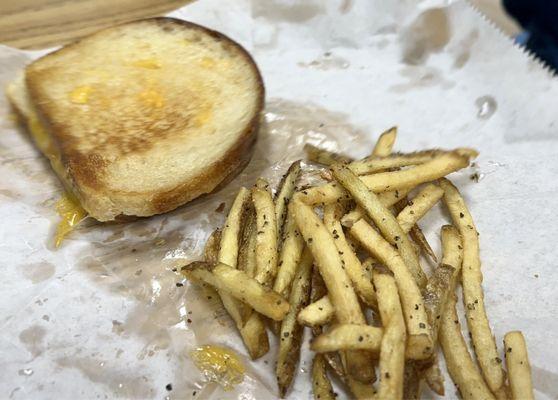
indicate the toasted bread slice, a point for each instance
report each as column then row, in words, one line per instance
column 141, row 118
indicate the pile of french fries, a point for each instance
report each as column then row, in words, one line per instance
column 344, row 258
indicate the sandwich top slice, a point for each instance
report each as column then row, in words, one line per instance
column 143, row 117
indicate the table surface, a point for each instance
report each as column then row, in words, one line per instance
column 34, row 24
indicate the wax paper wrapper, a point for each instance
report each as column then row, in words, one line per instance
column 103, row 317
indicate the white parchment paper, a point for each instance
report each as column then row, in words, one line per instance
column 102, row 317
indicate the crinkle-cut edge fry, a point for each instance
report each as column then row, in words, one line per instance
column 460, row 365
column 519, row 368
column 392, row 351
column 473, row 296
column 341, row 292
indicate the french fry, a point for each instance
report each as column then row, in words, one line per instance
column 419, row 206
column 371, row 165
column 348, row 337
column 230, row 235
column 239, row 285
column 211, row 248
column 419, row 239
column 318, row 313
column 290, row 336
column 419, row 338
column 266, row 236
column 519, row 368
column 353, row 267
column 341, row 292
column 323, row 156
column 321, row 386
column 461, row 367
column 382, row 217
column 254, row 335
column 359, row 390
column 388, row 199
column 385, row 143
column 284, row 195
column 392, row 351
column 388, row 181
column 290, row 256
column 438, row 292
column 247, row 250
column 473, row 296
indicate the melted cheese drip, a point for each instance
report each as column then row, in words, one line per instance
column 71, row 214
column 219, row 364
column 68, row 207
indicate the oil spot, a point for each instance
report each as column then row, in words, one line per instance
column 486, row 107
column 463, row 49
column 326, row 62
column 38, row 272
column 345, row 6
column 419, row 77
column 46, row 318
column 429, row 33
column 121, row 383
column 277, row 11
column 117, row 327
column 32, row 338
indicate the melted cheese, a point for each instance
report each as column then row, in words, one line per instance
column 68, row 207
column 219, row 364
column 71, row 214
column 80, row 95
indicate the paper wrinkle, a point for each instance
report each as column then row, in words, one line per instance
column 103, row 316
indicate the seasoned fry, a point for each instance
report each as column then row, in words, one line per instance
column 228, row 251
column 419, row 206
column 419, row 338
column 461, row 367
column 291, row 332
column 321, row 386
column 211, row 248
column 385, row 143
column 419, row 239
column 323, row 156
column 318, row 313
column 452, row 251
column 254, row 335
column 362, row 284
column 291, row 255
column 247, row 251
column 341, row 293
column 392, row 352
column 434, row 378
column 436, row 296
column 284, row 195
column 473, row 296
column 386, row 198
column 383, row 219
column 266, row 236
column 348, row 337
column 519, row 368
column 240, row 286
column 359, row 390
column 371, row 165
column 394, row 180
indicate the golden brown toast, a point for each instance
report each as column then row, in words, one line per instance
column 143, row 117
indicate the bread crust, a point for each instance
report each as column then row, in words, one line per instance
column 84, row 172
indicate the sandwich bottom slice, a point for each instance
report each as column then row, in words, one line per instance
column 143, row 117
